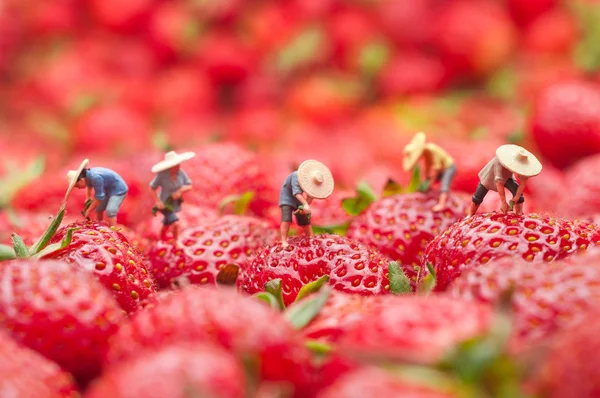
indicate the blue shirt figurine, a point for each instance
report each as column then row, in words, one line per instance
column 106, row 190
column 312, row 180
column 173, row 182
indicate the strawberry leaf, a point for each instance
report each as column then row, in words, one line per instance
column 269, row 299
column 392, row 188
column 303, row 312
column 240, row 203
column 340, row 229
column 274, row 287
column 7, row 253
column 427, row 284
column 50, row 232
column 66, row 241
column 312, row 287
column 19, row 246
column 364, row 197
column 399, row 282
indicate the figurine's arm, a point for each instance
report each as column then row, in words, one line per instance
column 154, row 184
column 97, row 184
column 89, row 193
column 187, row 185
column 304, row 201
column 520, row 189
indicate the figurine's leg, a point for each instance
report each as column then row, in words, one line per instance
column 286, row 222
column 477, row 199
column 304, row 222
column 112, row 208
column 512, row 186
column 101, row 209
column 446, row 180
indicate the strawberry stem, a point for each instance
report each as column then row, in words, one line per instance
column 399, row 282
column 312, row 287
column 19, row 246
column 50, row 232
column 303, row 312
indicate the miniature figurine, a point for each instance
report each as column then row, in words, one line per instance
column 173, row 183
column 439, row 165
column 109, row 191
column 312, row 180
column 498, row 173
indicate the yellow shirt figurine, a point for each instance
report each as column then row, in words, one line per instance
column 439, row 166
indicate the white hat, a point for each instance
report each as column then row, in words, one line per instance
column 519, row 160
column 172, row 158
column 73, row 175
column 315, row 179
column 413, row 151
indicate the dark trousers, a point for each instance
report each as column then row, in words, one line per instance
column 481, row 191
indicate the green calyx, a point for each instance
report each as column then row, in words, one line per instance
column 427, row 284
column 303, row 312
column 400, row 284
column 359, row 203
column 240, row 203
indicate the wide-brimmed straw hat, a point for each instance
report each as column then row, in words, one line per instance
column 519, row 160
column 72, row 176
column 413, row 151
column 315, row 179
column 172, row 158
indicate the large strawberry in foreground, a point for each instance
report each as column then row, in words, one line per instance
column 61, row 312
column 174, row 371
column 104, row 251
column 26, row 374
column 204, row 249
column 242, row 325
column 351, row 266
column 484, row 237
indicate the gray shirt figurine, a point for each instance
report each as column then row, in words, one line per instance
column 169, row 185
column 289, row 190
column 494, row 172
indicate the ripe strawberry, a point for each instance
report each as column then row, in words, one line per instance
column 114, row 261
column 565, row 122
column 484, row 237
column 60, row 312
column 352, row 267
column 110, row 122
column 224, row 58
column 127, row 18
column 547, row 297
column 28, row 225
column 401, row 226
column 554, row 32
column 341, row 311
column 240, row 324
column 580, row 189
column 330, row 212
column 256, row 126
column 203, row 369
column 410, row 23
column 399, row 329
column 526, row 12
column 474, row 38
column 27, row 374
column 223, row 169
column 172, row 30
column 261, row 21
column 205, row 248
column 570, row 368
column 536, row 72
column 498, row 118
column 377, row 382
column 412, row 73
column 11, row 35
column 547, row 191
column 45, row 20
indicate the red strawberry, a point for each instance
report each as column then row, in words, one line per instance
column 526, row 11
column 352, row 267
column 377, row 382
column 474, row 38
column 224, row 58
column 554, row 32
column 26, row 374
column 256, row 126
column 499, row 119
column 484, row 237
column 536, row 72
column 547, row 297
column 330, row 212
column 28, row 225
column 401, row 226
column 244, row 326
column 172, row 30
column 203, row 369
column 11, row 32
column 341, row 311
column 412, row 73
column 121, row 17
column 570, row 369
column 580, row 189
column 408, row 22
column 114, row 261
column 416, row 328
column 223, row 169
column 205, row 248
column 59, row 18
column 565, row 122
column 547, row 191
column 110, row 123
column 61, row 312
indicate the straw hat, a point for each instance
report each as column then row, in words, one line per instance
column 315, row 179
column 72, row 176
column 519, row 160
column 172, row 158
column 413, row 151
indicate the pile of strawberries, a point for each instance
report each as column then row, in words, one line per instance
column 387, row 299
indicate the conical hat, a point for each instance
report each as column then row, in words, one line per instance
column 72, row 177
column 413, row 150
column 315, row 179
column 519, row 160
column 172, row 158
